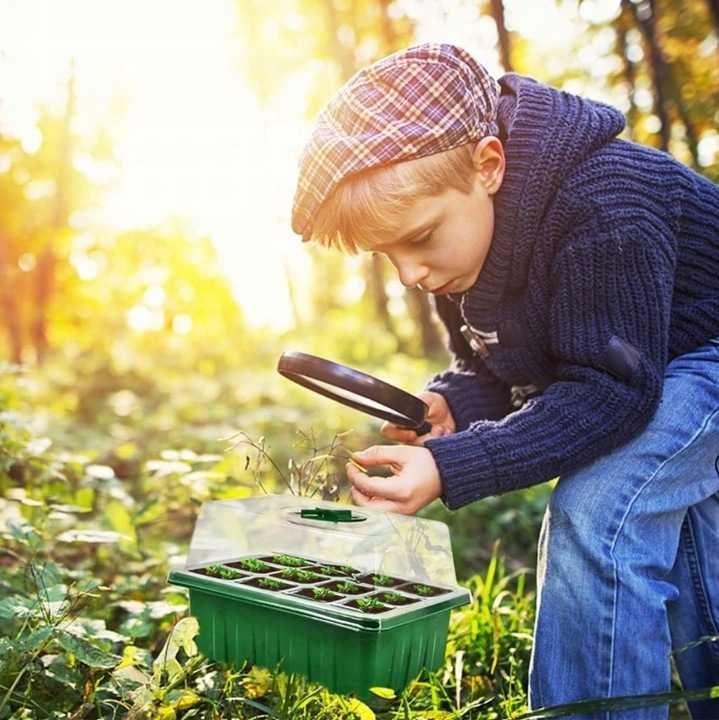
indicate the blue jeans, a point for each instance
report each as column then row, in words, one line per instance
column 628, row 565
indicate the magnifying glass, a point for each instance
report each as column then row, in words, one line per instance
column 356, row 389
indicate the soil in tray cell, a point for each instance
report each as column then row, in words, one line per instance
column 319, row 594
column 393, row 598
column 380, row 580
column 252, row 565
column 346, row 587
column 220, row 571
column 368, row 605
column 335, row 570
column 268, row 583
column 299, row 576
column 287, row 560
column 423, row 590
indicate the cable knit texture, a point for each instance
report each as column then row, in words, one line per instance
column 604, row 265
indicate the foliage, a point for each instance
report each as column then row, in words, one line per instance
column 81, row 625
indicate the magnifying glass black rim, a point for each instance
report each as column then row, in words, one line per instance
column 409, row 410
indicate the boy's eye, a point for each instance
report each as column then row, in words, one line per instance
column 421, row 240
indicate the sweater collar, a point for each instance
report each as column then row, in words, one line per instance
column 546, row 133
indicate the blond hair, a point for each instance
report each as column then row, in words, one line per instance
column 366, row 208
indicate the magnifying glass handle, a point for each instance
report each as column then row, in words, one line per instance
column 424, row 428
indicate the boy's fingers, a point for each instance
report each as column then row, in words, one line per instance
column 372, row 502
column 374, row 486
column 380, row 455
column 394, row 432
column 436, row 431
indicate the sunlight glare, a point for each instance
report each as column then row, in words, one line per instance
column 192, row 141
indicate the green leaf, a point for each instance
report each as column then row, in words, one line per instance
column 180, row 638
column 16, row 607
column 85, row 652
column 57, row 668
column 138, row 626
column 386, row 693
column 120, row 520
column 35, row 639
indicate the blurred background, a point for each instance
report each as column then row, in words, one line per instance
column 149, row 278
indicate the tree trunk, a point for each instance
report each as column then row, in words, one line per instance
column 47, row 259
column 667, row 89
column 416, row 302
column 423, row 316
column 505, row 42
column 297, row 316
column 658, row 69
column 44, row 284
column 375, row 275
column 8, row 301
column 388, row 34
column 341, row 54
column 714, row 10
column 629, row 71
column 683, row 111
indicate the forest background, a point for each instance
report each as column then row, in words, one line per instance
column 149, row 281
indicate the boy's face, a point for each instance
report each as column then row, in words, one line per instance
column 444, row 240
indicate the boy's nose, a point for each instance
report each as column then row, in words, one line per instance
column 411, row 276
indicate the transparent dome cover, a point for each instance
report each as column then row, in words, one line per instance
column 369, row 540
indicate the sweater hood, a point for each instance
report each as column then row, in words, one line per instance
column 546, row 134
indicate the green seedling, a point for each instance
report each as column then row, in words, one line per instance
column 303, row 576
column 270, row 584
column 382, row 580
column 225, row 573
column 253, row 565
column 337, row 569
column 392, row 597
column 327, row 569
column 423, row 589
column 290, row 560
column 348, row 587
column 321, row 593
column 369, row 604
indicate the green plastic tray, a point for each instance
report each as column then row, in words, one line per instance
column 341, row 647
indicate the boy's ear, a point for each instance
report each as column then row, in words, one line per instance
column 488, row 160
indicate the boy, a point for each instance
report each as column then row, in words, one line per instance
column 578, row 277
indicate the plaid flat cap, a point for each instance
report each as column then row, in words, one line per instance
column 416, row 102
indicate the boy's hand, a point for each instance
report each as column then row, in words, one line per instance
column 415, row 481
column 439, row 415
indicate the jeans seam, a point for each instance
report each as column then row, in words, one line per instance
column 619, row 531
column 700, row 587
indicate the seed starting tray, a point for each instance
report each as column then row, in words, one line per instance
column 350, row 598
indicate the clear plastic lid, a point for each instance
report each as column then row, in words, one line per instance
column 370, row 541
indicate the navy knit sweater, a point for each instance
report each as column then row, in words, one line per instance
column 604, row 265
